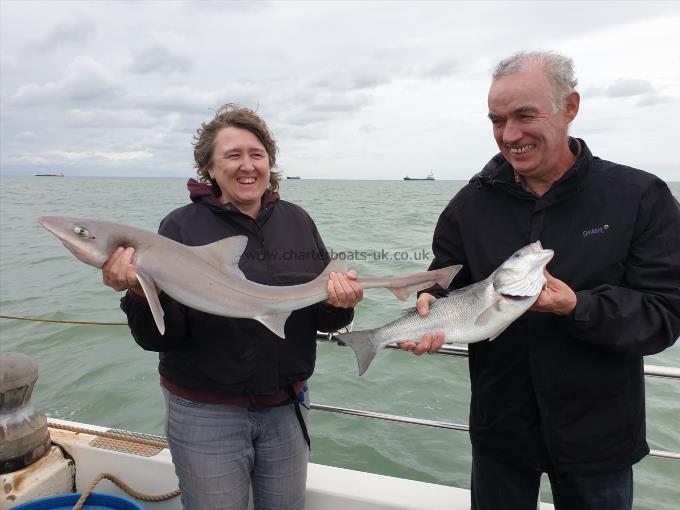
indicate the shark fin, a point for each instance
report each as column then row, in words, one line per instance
column 363, row 346
column 275, row 322
column 152, row 297
column 224, row 254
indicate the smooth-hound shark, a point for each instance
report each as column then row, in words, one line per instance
column 207, row 278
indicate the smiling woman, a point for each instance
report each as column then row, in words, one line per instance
column 240, row 168
column 236, row 394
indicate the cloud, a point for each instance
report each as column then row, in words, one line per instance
column 194, row 101
column 70, row 31
column 441, row 69
column 53, row 157
column 101, row 118
column 647, row 94
column 343, row 79
column 165, row 55
column 653, row 99
column 84, row 80
column 325, row 106
column 627, row 87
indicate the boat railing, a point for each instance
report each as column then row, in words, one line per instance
column 460, row 351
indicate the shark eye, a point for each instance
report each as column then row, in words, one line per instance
column 81, row 231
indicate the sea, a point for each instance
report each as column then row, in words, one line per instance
column 96, row 374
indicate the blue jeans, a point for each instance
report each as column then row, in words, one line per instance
column 498, row 486
column 219, row 450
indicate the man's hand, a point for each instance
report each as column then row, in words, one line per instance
column 428, row 343
column 343, row 290
column 556, row 297
column 119, row 273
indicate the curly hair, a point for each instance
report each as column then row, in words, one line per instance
column 237, row 116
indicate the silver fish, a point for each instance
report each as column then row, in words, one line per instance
column 207, row 278
column 471, row 314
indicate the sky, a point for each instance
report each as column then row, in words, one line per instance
column 351, row 90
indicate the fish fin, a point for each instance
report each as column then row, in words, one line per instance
column 276, row 322
column 224, row 254
column 403, row 293
column 500, row 331
column 445, row 275
column 149, row 287
column 491, row 312
column 363, row 345
column 442, row 277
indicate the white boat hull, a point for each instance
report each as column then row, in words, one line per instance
column 328, row 488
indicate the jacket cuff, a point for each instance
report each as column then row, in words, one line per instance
column 580, row 317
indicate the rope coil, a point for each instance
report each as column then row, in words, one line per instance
column 130, row 437
column 125, row 487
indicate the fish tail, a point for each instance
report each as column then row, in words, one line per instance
column 363, row 345
column 443, row 277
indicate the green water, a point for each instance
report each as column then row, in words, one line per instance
column 97, row 374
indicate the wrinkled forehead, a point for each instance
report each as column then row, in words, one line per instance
column 528, row 88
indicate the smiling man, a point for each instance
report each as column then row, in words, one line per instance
column 561, row 391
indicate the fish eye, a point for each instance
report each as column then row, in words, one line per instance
column 81, row 231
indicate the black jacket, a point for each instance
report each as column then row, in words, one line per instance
column 223, row 355
column 567, row 393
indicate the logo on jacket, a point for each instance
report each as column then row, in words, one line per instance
column 596, row 231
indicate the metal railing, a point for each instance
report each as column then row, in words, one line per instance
column 462, row 352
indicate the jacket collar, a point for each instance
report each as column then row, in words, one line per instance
column 499, row 173
column 201, row 192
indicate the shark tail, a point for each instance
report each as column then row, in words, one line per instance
column 442, row 277
column 364, row 345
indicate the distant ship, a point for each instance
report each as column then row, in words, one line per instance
column 293, row 177
column 56, row 174
column 430, row 177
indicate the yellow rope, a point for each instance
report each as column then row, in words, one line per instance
column 38, row 319
column 135, row 494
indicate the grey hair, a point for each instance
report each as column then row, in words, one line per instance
column 558, row 69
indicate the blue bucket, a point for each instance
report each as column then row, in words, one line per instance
column 96, row 501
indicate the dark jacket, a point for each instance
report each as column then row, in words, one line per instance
column 223, row 355
column 567, row 393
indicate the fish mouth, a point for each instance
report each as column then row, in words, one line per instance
column 546, row 254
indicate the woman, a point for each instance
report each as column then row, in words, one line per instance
column 232, row 387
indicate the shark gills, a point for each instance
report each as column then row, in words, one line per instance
column 477, row 312
column 207, row 278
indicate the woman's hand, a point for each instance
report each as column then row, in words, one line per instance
column 343, row 290
column 119, row 273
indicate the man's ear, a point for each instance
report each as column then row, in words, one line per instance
column 571, row 105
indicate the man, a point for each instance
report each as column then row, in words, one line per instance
column 562, row 391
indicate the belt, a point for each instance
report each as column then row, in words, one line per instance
column 281, row 397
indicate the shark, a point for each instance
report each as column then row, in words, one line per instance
column 207, row 278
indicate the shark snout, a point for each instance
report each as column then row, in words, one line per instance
column 50, row 223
